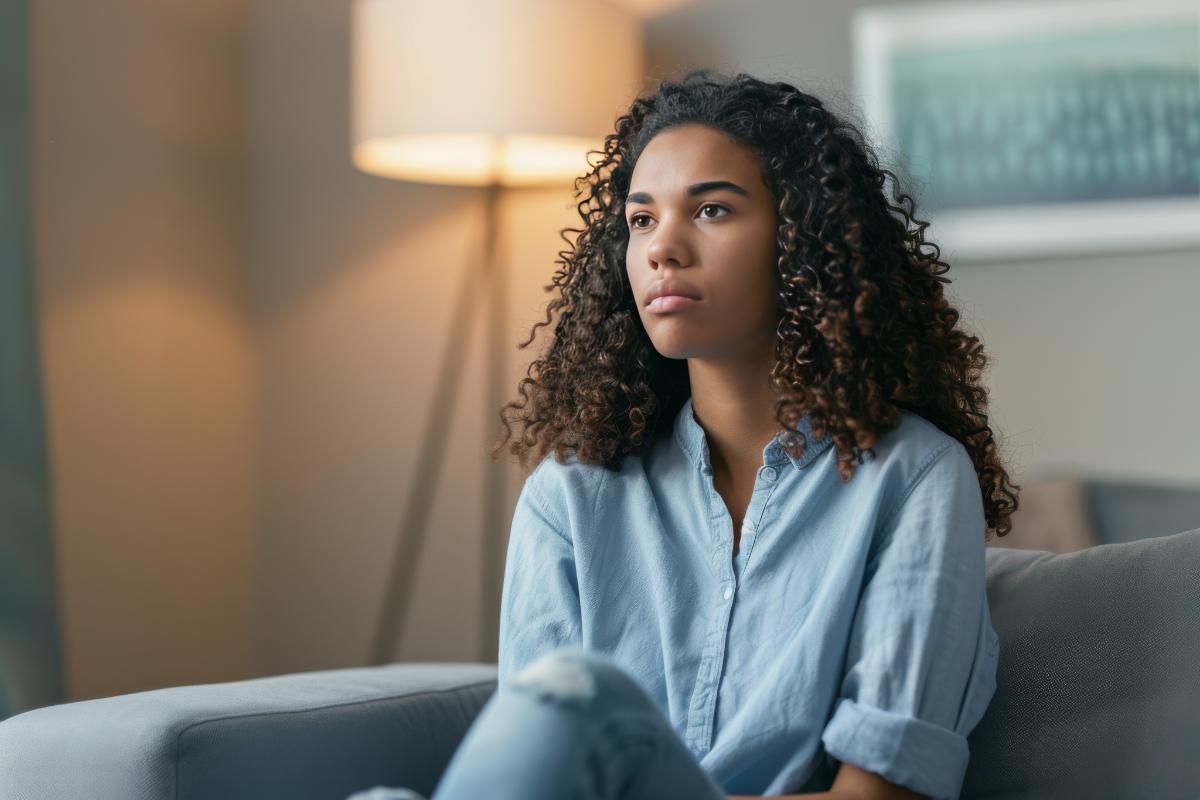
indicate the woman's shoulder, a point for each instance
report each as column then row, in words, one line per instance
column 909, row 448
column 569, row 475
column 568, row 487
column 581, row 492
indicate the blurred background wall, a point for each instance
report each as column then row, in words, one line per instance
column 149, row 359
column 240, row 332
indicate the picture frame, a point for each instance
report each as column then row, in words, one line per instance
column 1038, row 129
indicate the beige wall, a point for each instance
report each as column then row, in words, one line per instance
column 148, row 359
column 1093, row 365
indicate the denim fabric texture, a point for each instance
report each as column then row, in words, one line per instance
column 851, row 626
column 573, row 726
column 570, row 726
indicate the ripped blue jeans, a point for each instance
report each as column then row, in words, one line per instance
column 570, row 726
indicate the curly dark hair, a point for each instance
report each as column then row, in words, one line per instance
column 864, row 330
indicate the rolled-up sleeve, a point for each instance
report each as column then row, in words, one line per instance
column 539, row 606
column 921, row 657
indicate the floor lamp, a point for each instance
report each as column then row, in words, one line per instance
column 493, row 95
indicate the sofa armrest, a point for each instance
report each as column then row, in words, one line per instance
column 313, row 735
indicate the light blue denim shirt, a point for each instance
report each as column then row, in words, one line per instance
column 852, row 625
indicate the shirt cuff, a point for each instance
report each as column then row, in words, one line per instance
column 922, row 757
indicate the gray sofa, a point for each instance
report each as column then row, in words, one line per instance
column 1098, row 696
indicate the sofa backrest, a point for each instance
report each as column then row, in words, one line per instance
column 1123, row 511
column 1098, row 684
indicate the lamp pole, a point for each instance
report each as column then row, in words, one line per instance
column 495, row 507
column 489, row 278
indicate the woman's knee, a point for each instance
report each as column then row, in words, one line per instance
column 583, row 679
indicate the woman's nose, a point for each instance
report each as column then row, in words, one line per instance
column 668, row 245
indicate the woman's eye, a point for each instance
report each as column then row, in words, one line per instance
column 633, row 221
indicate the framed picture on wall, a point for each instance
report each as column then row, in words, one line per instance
column 1039, row 129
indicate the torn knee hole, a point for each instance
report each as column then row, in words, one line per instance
column 557, row 678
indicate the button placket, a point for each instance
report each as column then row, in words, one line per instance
column 702, row 715
column 702, row 706
column 761, row 498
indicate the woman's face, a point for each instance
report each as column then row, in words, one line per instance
column 701, row 220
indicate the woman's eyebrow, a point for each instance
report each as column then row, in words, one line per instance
column 695, row 189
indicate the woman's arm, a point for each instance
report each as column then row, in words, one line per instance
column 921, row 658
column 539, row 606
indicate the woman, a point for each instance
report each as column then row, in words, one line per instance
column 755, row 564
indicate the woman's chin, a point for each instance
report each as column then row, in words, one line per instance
column 675, row 350
column 674, row 338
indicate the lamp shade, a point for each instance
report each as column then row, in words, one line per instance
column 479, row 92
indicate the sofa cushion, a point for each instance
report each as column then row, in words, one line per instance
column 1098, row 684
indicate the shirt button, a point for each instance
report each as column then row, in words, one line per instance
column 728, row 592
column 769, row 473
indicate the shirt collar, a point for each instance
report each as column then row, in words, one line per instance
column 691, row 438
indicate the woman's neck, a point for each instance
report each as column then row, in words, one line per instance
column 736, row 409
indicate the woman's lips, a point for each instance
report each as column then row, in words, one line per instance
column 670, row 302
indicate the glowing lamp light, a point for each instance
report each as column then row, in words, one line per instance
column 483, row 92
column 475, row 159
